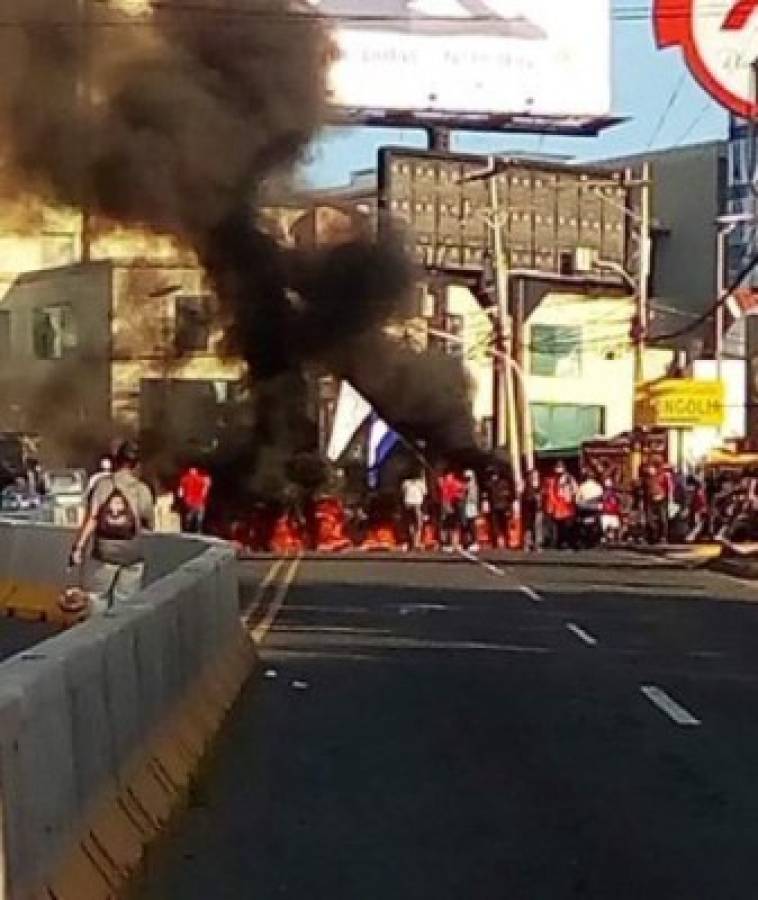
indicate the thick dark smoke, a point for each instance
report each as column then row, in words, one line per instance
column 172, row 119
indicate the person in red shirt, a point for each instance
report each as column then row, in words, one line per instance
column 194, row 490
column 452, row 491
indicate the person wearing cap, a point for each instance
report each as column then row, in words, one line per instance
column 120, row 509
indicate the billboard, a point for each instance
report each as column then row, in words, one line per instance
column 549, row 211
column 484, row 59
column 719, row 41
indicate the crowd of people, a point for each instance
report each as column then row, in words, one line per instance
column 452, row 509
column 559, row 510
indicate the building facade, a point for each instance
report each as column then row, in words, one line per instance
column 103, row 350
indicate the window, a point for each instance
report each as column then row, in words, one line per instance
column 556, row 351
column 5, row 334
column 193, row 324
column 53, row 332
column 564, row 427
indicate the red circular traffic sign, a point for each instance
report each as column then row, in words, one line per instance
column 719, row 40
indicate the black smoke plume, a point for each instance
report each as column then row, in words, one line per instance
column 171, row 116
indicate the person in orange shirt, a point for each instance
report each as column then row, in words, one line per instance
column 562, row 506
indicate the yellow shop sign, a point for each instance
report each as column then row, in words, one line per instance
column 680, row 403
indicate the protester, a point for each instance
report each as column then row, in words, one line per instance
column 562, row 505
column 697, row 509
column 120, row 509
column 194, row 491
column 655, row 493
column 500, row 500
column 533, row 513
column 590, row 491
column 610, row 518
column 470, row 510
column 104, row 470
column 452, row 490
column 414, row 496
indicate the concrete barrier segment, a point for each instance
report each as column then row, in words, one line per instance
column 102, row 728
column 43, row 768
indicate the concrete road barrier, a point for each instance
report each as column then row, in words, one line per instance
column 34, row 571
column 102, row 727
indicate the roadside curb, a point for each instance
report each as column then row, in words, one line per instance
column 746, row 569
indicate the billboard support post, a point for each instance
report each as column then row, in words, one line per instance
column 438, row 138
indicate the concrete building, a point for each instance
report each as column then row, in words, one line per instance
column 96, row 351
column 689, row 192
column 576, row 360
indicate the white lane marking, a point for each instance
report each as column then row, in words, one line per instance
column 421, row 608
column 531, row 594
column 671, row 708
column 583, row 635
column 261, row 590
column 259, row 633
column 501, row 573
column 473, row 558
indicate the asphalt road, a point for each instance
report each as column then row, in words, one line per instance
column 560, row 726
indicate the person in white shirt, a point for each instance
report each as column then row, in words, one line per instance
column 590, row 491
column 414, row 495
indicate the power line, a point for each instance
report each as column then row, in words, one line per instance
column 668, row 107
column 709, row 313
column 695, row 122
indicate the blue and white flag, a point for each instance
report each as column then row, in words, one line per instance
column 381, row 442
column 352, row 411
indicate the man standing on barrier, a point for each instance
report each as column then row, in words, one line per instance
column 120, row 509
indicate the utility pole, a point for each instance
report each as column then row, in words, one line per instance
column 643, row 293
column 505, row 429
column 505, row 414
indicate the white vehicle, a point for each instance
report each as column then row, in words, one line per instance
column 65, row 496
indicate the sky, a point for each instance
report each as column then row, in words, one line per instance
column 652, row 88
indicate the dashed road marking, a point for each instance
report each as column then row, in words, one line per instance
column 584, row 636
column 531, row 594
column 262, row 629
column 670, row 707
column 473, row 558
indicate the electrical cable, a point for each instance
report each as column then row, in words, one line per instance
column 674, row 96
column 704, row 317
column 695, row 122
